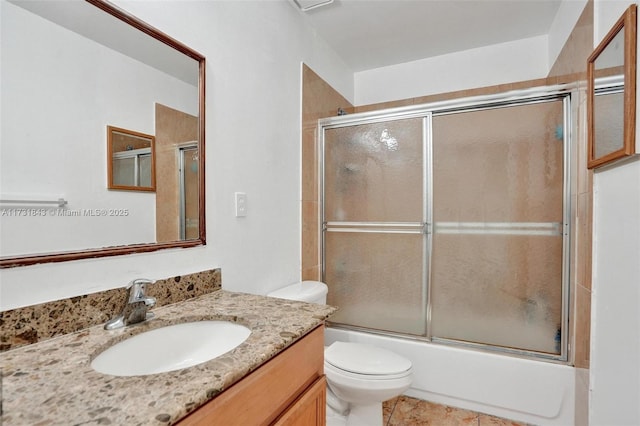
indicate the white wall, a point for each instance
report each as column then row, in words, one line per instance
column 605, row 14
column 615, row 317
column 254, row 51
column 509, row 62
column 615, row 330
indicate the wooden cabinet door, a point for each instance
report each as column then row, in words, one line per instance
column 309, row 409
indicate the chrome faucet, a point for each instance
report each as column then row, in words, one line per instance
column 136, row 308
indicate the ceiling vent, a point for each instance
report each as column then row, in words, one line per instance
column 307, row 5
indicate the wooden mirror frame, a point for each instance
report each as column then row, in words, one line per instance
column 11, row 262
column 628, row 22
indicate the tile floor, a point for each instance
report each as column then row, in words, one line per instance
column 406, row 411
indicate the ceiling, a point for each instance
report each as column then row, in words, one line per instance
column 370, row 34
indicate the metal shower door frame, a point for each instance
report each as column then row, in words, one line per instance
column 422, row 227
column 427, row 111
column 182, row 149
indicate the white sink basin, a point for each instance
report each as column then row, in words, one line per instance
column 170, row 348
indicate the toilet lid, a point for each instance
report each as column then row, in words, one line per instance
column 361, row 358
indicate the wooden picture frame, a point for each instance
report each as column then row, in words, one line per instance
column 131, row 164
column 611, row 96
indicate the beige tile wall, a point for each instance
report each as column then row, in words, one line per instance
column 172, row 127
column 319, row 100
column 572, row 62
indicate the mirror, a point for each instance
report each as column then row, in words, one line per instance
column 611, row 103
column 70, row 69
column 130, row 160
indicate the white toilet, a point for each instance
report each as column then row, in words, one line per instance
column 359, row 376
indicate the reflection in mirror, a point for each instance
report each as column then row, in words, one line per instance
column 174, row 131
column 130, row 160
column 69, row 69
column 608, row 120
column 611, row 98
column 188, row 160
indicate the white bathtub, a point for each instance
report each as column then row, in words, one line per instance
column 534, row 392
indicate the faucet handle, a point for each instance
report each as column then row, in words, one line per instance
column 137, row 291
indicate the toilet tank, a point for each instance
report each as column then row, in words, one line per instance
column 305, row 291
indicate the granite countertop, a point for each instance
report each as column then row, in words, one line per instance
column 52, row 382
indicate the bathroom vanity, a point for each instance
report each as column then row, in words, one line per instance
column 274, row 377
column 290, row 389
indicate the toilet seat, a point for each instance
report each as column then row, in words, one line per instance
column 365, row 362
column 332, row 371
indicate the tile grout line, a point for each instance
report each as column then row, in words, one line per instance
column 392, row 410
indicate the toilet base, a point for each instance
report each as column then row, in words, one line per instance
column 359, row 415
column 334, row 418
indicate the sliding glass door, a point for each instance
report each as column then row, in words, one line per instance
column 450, row 222
column 498, row 179
column 374, row 216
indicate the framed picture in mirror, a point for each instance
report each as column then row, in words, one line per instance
column 130, row 160
column 611, row 100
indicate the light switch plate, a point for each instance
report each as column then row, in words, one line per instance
column 241, row 204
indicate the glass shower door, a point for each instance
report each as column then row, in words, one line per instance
column 497, row 259
column 189, row 193
column 374, row 216
column 451, row 222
